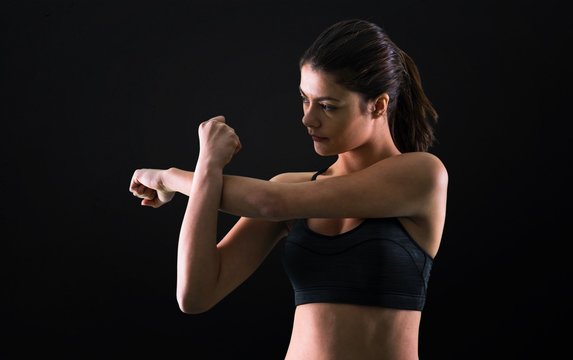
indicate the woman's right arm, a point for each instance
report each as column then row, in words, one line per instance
column 209, row 270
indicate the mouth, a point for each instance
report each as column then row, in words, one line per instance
column 318, row 138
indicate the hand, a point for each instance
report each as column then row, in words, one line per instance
column 147, row 184
column 218, row 142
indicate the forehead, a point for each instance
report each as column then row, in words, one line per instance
column 318, row 83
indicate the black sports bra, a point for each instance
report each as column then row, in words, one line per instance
column 376, row 263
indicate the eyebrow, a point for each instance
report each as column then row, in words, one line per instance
column 320, row 98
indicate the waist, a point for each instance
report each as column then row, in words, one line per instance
column 337, row 331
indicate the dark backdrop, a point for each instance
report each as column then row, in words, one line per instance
column 92, row 90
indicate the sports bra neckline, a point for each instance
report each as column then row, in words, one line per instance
column 319, row 234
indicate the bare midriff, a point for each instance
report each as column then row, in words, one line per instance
column 324, row 331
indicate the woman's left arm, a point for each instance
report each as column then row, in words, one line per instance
column 407, row 185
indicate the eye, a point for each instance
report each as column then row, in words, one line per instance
column 304, row 100
column 327, row 107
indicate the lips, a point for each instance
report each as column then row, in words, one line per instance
column 318, row 138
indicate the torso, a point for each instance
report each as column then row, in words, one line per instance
column 329, row 331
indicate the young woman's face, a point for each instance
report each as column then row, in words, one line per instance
column 336, row 118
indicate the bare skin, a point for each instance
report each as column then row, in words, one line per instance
column 370, row 179
column 346, row 332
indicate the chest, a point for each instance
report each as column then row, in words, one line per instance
column 333, row 227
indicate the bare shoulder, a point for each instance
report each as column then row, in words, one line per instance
column 422, row 165
column 418, row 158
column 428, row 161
column 292, row 177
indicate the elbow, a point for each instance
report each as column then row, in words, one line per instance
column 437, row 175
column 193, row 305
column 192, row 309
column 440, row 177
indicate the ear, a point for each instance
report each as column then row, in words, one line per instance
column 380, row 105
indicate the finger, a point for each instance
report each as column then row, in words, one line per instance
column 149, row 194
column 155, row 203
column 146, row 202
column 134, row 181
column 219, row 118
column 238, row 147
column 140, row 189
column 134, row 190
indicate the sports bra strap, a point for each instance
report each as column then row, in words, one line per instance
column 318, row 173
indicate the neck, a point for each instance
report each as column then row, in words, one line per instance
column 364, row 156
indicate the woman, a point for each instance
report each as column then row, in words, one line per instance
column 359, row 236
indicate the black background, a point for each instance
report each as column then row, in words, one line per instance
column 92, row 90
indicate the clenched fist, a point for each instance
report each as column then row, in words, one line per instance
column 218, row 142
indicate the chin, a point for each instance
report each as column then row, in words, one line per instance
column 324, row 152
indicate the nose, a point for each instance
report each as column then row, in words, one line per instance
column 310, row 119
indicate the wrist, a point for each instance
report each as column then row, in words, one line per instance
column 164, row 180
column 208, row 169
column 175, row 180
column 209, row 165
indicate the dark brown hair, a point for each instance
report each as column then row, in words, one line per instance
column 363, row 58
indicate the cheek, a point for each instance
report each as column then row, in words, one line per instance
column 356, row 131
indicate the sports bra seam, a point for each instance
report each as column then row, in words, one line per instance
column 359, row 289
column 353, row 246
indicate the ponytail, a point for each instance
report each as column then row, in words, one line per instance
column 411, row 124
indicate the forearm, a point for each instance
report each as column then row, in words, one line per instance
column 197, row 257
column 241, row 196
column 250, row 197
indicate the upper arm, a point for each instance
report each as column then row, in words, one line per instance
column 246, row 245
column 242, row 250
column 407, row 185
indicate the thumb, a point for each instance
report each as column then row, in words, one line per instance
column 239, row 147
